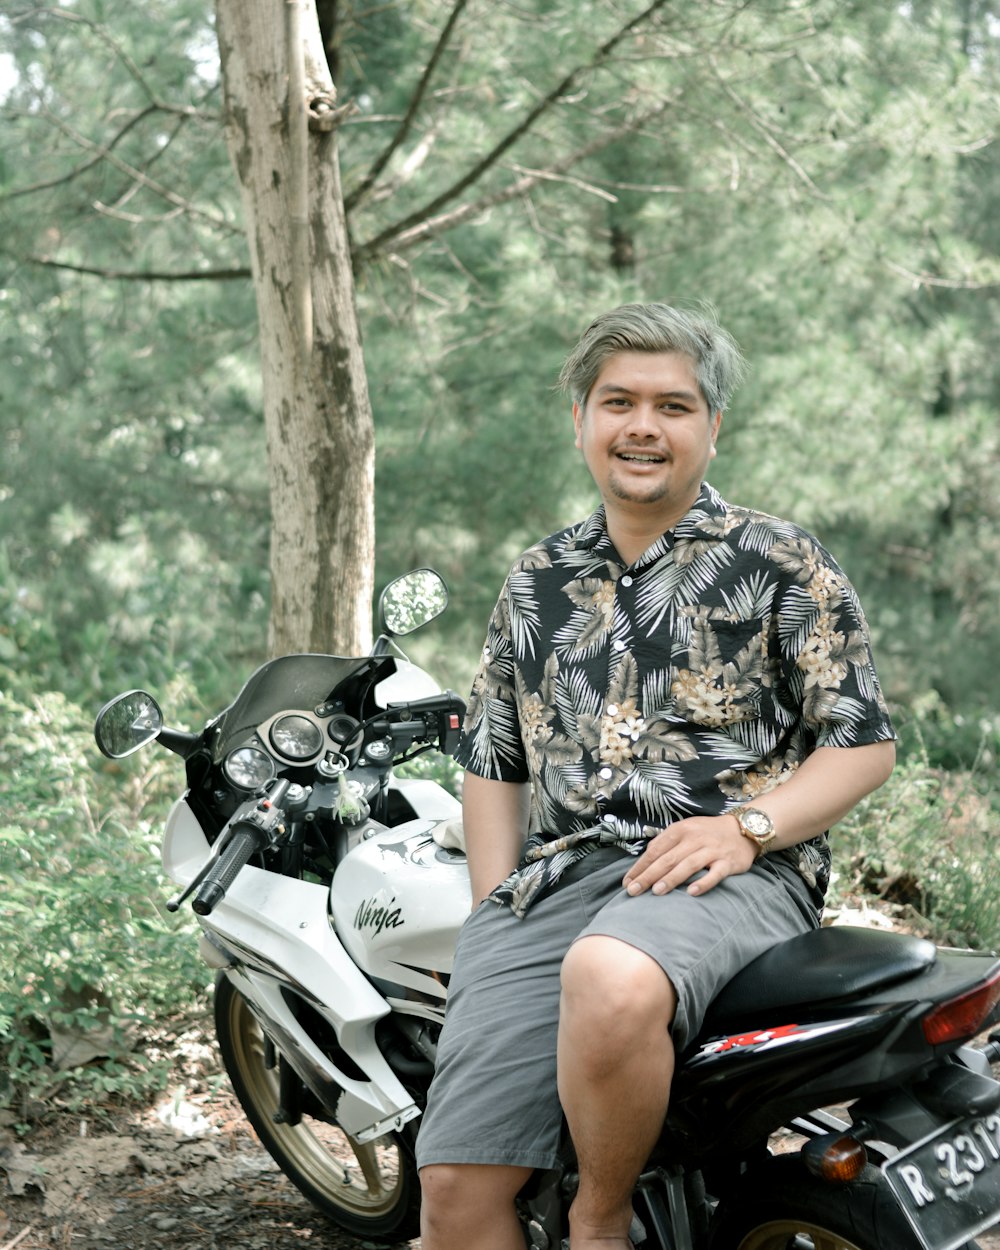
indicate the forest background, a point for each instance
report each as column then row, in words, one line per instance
column 825, row 173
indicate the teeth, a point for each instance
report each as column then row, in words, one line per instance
column 643, row 459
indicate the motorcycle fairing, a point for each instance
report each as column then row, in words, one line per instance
column 269, row 925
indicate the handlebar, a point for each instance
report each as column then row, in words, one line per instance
column 251, row 831
column 240, row 848
column 435, row 719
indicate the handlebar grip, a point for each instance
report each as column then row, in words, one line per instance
column 224, row 872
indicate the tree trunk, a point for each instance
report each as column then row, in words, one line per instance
column 320, row 437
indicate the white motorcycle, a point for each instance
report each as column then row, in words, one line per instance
column 330, row 894
column 326, row 904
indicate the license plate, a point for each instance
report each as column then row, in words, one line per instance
column 949, row 1184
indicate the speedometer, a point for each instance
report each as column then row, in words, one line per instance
column 248, row 768
column 296, row 737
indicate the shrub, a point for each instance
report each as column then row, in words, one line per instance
column 88, row 954
column 925, row 844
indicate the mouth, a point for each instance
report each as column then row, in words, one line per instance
column 641, row 457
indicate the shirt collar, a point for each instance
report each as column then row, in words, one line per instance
column 704, row 520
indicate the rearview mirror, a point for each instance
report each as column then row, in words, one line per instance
column 127, row 724
column 412, row 600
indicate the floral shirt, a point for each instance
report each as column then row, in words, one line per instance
column 686, row 684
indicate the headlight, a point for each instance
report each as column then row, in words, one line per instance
column 296, row 737
column 248, row 768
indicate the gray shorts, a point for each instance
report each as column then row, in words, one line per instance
column 494, row 1097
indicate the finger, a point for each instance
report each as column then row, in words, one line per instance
column 668, row 872
column 718, row 872
column 659, row 845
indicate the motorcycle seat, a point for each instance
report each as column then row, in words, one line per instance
column 822, row 966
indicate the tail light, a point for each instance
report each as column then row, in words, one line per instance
column 963, row 1017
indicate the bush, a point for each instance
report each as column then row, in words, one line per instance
column 89, row 958
column 925, row 845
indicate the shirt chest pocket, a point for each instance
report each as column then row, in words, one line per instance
column 717, row 668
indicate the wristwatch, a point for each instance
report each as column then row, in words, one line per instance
column 756, row 825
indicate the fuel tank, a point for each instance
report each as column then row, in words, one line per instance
column 398, row 900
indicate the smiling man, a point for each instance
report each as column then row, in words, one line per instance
column 675, row 702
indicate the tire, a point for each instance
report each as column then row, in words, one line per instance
column 369, row 1189
column 783, row 1207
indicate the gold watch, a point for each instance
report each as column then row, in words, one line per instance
column 757, row 826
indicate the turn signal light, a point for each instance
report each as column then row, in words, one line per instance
column 833, row 1158
column 964, row 1016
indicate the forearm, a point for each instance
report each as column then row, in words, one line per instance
column 821, row 792
column 495, row 820
column 824, row 789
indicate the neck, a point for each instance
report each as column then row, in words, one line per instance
column 634, row 530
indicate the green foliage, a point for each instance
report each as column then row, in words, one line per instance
column 88, row 954
column 926, row 845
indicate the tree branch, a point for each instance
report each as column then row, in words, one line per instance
column 149, row 183
column 765, row 131
column 413, row 222
column 146, row 275
column 430, row 227
column 102, row 33
column 363, row 190
column 48, row 183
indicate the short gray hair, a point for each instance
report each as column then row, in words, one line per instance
column 718, row 361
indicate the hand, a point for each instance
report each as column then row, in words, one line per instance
column 712, row 843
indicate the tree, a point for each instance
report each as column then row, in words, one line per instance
column 279, row 111
column 823, row 172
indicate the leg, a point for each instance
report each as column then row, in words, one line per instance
column 470, row 1207
column 616, row 1063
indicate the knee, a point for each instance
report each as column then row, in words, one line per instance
column 612, row 991
column 438, row 1183
column 442, row 1194
column 453, row 1197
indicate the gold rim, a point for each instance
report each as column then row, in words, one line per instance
column 778, row 1234
column 365, row 1179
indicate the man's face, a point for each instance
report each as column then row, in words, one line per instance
column 646, row 433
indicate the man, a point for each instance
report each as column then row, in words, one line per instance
column 675, row 703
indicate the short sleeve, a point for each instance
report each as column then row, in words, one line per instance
column 827, row 657
column 491, row 745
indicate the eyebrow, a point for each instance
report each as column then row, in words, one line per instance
column 615, row 388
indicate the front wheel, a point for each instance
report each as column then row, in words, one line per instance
column 786, row 1207
column 369, row 1189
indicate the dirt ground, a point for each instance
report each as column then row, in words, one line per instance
column 141, row 1181
column 186, row 1172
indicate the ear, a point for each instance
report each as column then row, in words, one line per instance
column 578, row 423
column 714, row 431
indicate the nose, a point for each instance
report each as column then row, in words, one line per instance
column 642, row 421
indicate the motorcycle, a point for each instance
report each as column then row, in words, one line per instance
column 833, row 1099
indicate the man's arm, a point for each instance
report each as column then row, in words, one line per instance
column 821, row 792
column 495, row 819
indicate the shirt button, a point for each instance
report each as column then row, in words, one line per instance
column 606, row 774
column 619, row 645
column 626, row 580
column 612, row 709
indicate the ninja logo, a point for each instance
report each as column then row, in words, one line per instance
column 372, row 914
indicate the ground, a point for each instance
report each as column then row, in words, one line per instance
column 188, row 1173
column 186, row 1170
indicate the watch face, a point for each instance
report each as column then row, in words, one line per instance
column 757, row 823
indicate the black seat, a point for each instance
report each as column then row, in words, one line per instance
column 821, row 966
